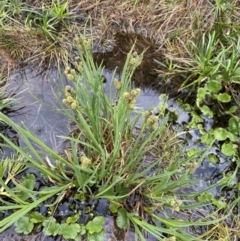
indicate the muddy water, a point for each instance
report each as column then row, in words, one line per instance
column 36, row 104
column 145, row 76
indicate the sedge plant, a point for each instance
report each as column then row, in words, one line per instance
column 115, row 153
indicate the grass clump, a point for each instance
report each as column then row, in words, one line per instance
column 108, row 156
column 211, row 75
column 117, row 153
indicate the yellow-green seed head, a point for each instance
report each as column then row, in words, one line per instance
column 175, row 204
column 172, row 238
column 117, row 84
column 138, row 91
column 70, row 99
column 80, row 68
column 154, row 126
column 86, row 162
column 73, row 72
column 88, row 44
column 68, row 88
column 179, row 202
column 85, row 42
column 66, row 71
column 80, row 47
column 155, row 118
column 149, row 121
column 65, row 101
column 192, row 166
column 152, row 119
column 135, row 54
column 68, row 94
column 177, row 209
column 77, row 39
column 138, row 61
column 70, row 77
column 135, row 92
column 146, row 114
column 126, row 95
column 132, row 101
column 131, row 106
column 74, row 105
column 132, row 61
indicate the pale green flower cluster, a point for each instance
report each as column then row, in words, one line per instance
column 69, row 99
column 135, row 60
column 83, row 44
column 176, row 204
column 85, row 161
column 70, row 73
column 131, row 97
column 79, row 65
column 117, row 84
column 151, row 119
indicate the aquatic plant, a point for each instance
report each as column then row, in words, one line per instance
column 210, row 71
column 134, row 167
column 198, row 42
column 214, row 70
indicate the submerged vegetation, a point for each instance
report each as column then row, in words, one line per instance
column 120, row 160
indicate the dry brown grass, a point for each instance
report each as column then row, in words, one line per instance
column 170, row 24
column 221, row 232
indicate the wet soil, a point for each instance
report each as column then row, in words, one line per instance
column 145, row 76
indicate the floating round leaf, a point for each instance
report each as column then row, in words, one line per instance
column 23, row 225
column 220, row 134
column 72, row 219
column 200, row 95
column 50, row 227
column 229, row 149
column 69, row 231
column 224, row 97
column 206, row 111
column 96, row 236
column 234, row 125
column 36, row 217
column 122, row 219
column 96, row 225
column 213, row 86
column 193, row 152
column 232, row 110
column 207, row 138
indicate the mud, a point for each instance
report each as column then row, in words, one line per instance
column 145, row 76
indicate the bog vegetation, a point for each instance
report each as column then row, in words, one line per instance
column 128, row 158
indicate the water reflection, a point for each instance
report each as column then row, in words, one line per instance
column 39, row 114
